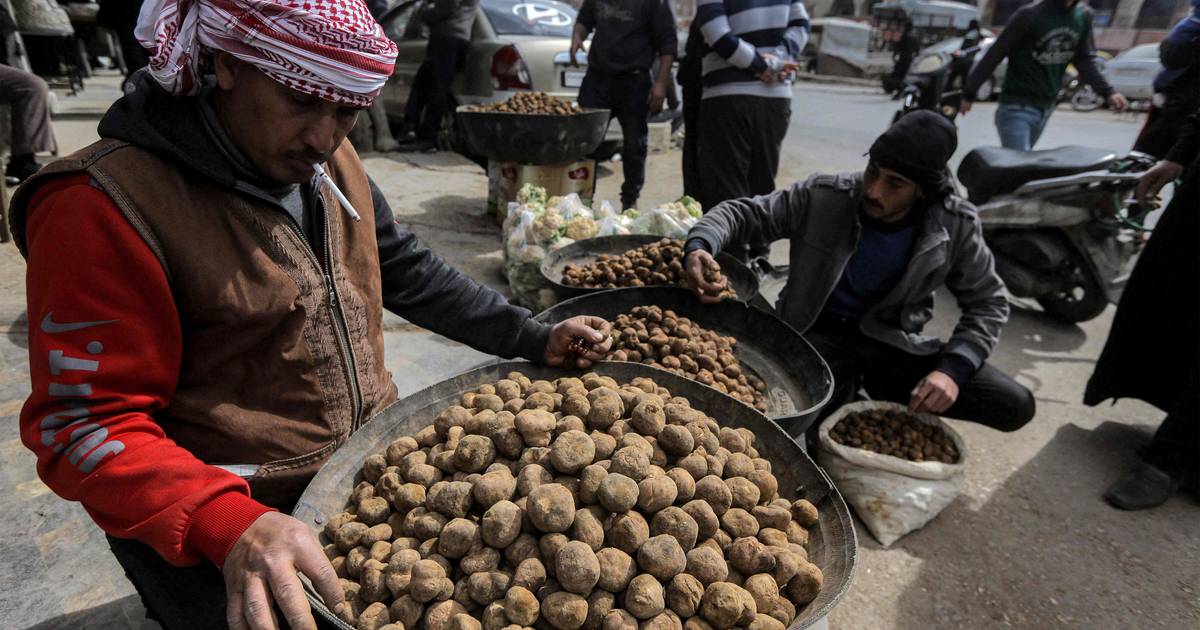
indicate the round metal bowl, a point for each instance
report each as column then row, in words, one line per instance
column 799, row 382
column 832, row 546
column 741, row 279
column 539, row 139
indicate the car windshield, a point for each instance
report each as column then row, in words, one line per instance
column 545, row 18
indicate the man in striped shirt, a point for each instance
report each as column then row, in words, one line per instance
column 751, row 47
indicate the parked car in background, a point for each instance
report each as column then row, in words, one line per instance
column 1132, row 72
column 516, row 45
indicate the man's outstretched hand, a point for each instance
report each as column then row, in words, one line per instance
column 594, row 332
column 261, row 569
column 934, row 394
column 1155, row 179
column 694, row 265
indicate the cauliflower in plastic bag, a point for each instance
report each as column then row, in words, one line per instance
column 548, row 226
column 581, row 227
column 571, row 207
column 532, row 195
column 613, row 225
column 692, row 206
column 604, row 210
column 531, row 254
column 671, row 220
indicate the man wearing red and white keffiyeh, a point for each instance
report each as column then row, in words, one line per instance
column 332, row 49
column 207, row 285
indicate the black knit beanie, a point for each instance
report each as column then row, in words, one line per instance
column 918, row 146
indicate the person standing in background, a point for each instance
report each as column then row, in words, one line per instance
column 689, row 78
column 1153, row 352
column 903, row 52
column 747, row 97
column 964, row 57
column 1040, row 40
column 28, row 97
column 630, row 35
column 120, row 17
column 450, row 23
column 1176, row 87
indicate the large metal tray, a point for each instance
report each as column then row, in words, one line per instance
column 833, row 545
column 741, row 279
column 799, row 382
column 542, row 139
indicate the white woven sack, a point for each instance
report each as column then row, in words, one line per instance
column 892, row 496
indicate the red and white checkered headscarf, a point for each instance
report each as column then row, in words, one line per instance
column 332, row 49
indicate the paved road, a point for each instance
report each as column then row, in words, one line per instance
column 1028, row 544
column 832, row 126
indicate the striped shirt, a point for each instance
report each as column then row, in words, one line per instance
column 739, row 34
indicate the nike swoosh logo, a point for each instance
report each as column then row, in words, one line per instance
column 50, row 327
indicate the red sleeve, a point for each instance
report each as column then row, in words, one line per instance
column 104, row 354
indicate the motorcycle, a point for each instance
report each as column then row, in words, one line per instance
column 1059, row 221
column 927, row 87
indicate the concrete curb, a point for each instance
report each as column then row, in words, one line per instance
column 829, row 79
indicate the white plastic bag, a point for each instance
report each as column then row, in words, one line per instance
column 892, row 496
column 571, row 206
column 666, row 221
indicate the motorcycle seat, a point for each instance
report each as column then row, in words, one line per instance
column 991, row 171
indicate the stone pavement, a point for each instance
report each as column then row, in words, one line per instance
column 1028, row 544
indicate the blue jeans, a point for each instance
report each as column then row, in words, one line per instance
column 1020, row 126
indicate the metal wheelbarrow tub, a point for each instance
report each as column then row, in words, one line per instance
column 833, row 545
column 741, row 279
column 799, row 382
column 539, row 139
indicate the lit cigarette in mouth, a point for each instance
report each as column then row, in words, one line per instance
column 336, row 192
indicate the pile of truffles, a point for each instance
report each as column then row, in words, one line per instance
column 895, row 433
column 531, row 103
column 659, row 263
column 567, row 505
column 663, row 339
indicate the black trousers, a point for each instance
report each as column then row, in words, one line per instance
column 178, row 598
column 627, row 96
column 990, row 397
column 1175, row 447
column 692, row 92
column 739, row 151
column 431, row 97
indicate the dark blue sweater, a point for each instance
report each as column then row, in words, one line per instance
column 876, row 266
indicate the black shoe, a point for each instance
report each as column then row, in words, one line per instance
column 20, row 168
column 1143, row 487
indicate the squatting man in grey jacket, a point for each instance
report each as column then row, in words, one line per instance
column 867, row 252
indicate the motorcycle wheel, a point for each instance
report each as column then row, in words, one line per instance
column 1085, row 100
column 1085, row 299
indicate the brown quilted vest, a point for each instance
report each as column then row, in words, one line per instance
column 282, row 346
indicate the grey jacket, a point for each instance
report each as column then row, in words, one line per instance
column 820, row 216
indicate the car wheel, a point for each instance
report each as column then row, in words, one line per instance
column 986, row 91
